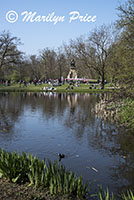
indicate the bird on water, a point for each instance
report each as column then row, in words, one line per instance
column 61, row 156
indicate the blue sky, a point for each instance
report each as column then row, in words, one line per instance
column 38, row 35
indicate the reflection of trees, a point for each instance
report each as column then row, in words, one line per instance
column 80, row 115
column 104, row 136
column 11, row 106
column 123, row 171
column 54, row 105
column 117, row 143
column 10, row 109
column 76, row 112
column 124, row 167
column 50, row 104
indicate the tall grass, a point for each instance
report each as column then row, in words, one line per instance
column 61, row 181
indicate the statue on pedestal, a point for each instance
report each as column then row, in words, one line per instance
column 73, row 63
column 72, row 72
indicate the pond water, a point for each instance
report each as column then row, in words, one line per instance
column 46, row 124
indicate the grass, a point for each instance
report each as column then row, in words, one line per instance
column 126, row 113
column 38, row 88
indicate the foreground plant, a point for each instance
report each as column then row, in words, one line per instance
column 21, row 168
column 61, row 181
column 36, row 172
column 27, row 168
column 128, row 196
column 13, row 167
column 103, row 194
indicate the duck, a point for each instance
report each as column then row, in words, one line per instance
column 61, row 156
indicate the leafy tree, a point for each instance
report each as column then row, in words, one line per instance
column 124, row 49
column 126, row 21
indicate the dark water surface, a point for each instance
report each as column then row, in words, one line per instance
column 47, row 124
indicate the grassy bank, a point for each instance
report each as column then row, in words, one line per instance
column 63, row 88
column 119, row 111
column 123, row 110
column 26, row 177
column 126, row 113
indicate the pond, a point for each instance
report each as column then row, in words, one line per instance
column 46, row 124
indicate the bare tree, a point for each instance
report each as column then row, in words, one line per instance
column 100, row 40
column 35, row 67
column 48, row 60
column 9, row 54
column 61, row 62
column 94, row 51
column 82, row 53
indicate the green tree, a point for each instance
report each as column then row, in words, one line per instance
column 123, row 51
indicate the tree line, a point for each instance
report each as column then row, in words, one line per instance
column 107, row 53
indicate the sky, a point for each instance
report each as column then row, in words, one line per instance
column 50, row 23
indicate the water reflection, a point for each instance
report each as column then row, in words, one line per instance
column 10, row 110
column 49, row 123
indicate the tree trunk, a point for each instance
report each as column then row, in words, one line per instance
column 103, row 80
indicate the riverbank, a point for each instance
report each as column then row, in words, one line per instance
column 12, row 191
column 126, row 114
column 119, row 111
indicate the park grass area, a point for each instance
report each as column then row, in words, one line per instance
column 63, row 88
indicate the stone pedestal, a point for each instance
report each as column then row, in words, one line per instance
column 72, row 73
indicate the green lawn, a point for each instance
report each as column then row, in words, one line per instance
column 38, row 88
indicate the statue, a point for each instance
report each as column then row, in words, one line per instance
column 73, row 63
column 72, row 73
